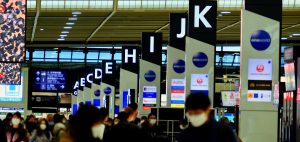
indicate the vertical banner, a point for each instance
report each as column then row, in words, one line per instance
column 74, row 98
column 107, row 96
column 129, row 74
column 260, row 48
column 176, row 61
column 200, row 48
column 150, row 72
column 89, row 74
column 96, row 87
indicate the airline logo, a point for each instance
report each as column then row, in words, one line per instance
column 200, row 81
column 200, row 59
column 260, row 40
column 260, row 68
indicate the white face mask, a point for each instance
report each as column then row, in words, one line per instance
column 198, row 120
column 98, row 131
column 43, row 126
column 183, row 127
column 15, row 121
column 152, row 121
column 116, row 122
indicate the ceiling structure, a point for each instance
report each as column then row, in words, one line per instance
column 125, row 20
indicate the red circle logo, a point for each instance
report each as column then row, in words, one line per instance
column 200, row 81
column 2, row 8
column 260, row 68
column 2, row 75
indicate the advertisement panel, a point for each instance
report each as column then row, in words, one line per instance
column 12, row 93
column 177, row 93
column 149, row 97
column 199, row 83
column 290, row 80
column 230, row 98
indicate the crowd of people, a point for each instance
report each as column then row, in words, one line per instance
column 91, row 124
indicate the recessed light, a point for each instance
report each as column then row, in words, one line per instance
column 296, row 34
column 225, row 12
column 76, row 12
column 65, row 32
column 60, row 39
column 70, row 23
column 42, row 29
column 291, row 36
column 284, row 38
column 74, row 15
column 220, row 15
column 73, row 18
column 63, row 35
column 67, row 27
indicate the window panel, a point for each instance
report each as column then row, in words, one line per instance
column 38, row 54
column 118, row 56
column 92, row 55
column 77, row 54
column 51, row 54
column 105, row 56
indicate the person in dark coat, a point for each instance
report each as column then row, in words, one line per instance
column 124, row 131
column 203, row 127
column 152, row 131
column 16, row 132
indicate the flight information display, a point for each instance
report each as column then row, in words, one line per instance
column 11, row 93
column 49, row 81
column 10, row 73
column 12, row 30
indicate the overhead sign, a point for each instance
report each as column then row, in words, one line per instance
column 149, row 97
column 152, row 47
column 49, row 81
column 178, row 30
column 130, row 58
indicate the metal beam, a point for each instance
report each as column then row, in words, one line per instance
column 289, row 27
column 115, row 8
column 38, row 9
column 163, row 27
column 229, row 26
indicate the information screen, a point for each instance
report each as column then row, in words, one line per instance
column 11, row 93
column 49, row 81
column 12, row 30
column 290, row 80
column 149, row 97
column 10, row 73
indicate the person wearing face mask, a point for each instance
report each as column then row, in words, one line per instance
column 151, row 129
column 59, row 127
column 16, row 132
column 50, row 122
column 41, row 133
column 30, row 124
column 203, row 127
column 87, row 125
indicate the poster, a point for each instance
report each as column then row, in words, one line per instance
column 199, row 83
column 230, row 98
column 12, row 93
column 290, row 80
column 259, row 80
column 177, row 93
column 149, row 97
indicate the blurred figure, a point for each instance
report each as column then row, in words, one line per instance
column 50, row 122
column 42, row 132
column 16, row 132
column 109, row 122
column 224, row 121
column 203, row 128
column 133, row 115
column 116, row 120
column 7, row 120
column 124, row 131
column 2, row 131
column 183, row 124
column 87, row 125
column 143, row 120
column 151, row 130
column 59, row 128
column 30, row 123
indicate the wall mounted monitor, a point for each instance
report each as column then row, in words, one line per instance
column 10, row 73
column 12, row 93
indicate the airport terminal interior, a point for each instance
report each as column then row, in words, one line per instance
column 150, row 71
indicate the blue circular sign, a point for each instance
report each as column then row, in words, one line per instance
column 179, row 66
column 97, row 93
column 150, row 76
column 260, row 40
column 107, row 90
column 200, row 60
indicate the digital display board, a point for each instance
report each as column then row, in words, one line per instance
column 12, row 30
column 149, row 97
column 10, row 73
column 230, row 98
column 290, row 79
column 12, row 93
column 49, row 81
column 177, row 93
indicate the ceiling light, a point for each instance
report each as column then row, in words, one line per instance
column 284, row 38
column 296, row 34
column 220, row 15
column 70, row 23
column 225, row 12
column 73, row 18
column 67, row 27
column 65, row 32
column 63, row 35
column 60, row 39
column 42, row 29
column 291, row 36
column 76, row 13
